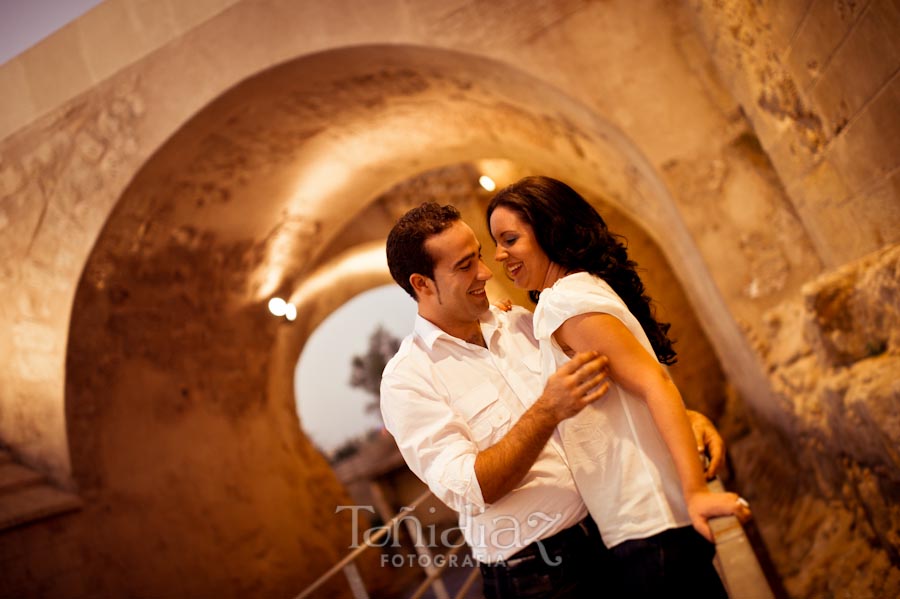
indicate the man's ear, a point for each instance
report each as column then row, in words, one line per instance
column 420, row 284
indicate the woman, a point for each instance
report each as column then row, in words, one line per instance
column 632, row 453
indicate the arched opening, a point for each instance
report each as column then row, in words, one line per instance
column 331, row 411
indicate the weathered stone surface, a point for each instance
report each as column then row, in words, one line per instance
column 855, row 311
column 833, row 363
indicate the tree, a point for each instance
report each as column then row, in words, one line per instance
column 367, row 368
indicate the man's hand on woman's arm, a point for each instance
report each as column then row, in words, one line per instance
column 708, row 440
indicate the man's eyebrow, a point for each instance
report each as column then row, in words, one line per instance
column 466, row 258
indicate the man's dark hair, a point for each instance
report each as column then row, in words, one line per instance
column 406, row 253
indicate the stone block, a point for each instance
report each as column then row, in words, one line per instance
column 18, row 107
column 13, row 476
column 860, row 68
column 122, row 44
column 34, row 502
column 823, row 29
column 189, row 14
column 792, row 159
column 783, row 333
column 785, row 19
column 845, row 226
column 867, row 422
column 56, row 69
column 868, row 150
column 817, row 197
column 854, row 312
column 880, row 508
column 883, row 200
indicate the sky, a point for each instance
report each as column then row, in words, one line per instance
column 23, row 23
column 330, row 410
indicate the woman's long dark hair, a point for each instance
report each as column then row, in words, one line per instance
column 574, row 235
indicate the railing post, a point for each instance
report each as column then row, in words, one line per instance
column 381, row 505
column 357, row 587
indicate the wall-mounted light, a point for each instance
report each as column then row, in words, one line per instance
column 487, row 183
column 279, row 307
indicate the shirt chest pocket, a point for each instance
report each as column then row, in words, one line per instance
column 487, row 417
column 532, row 362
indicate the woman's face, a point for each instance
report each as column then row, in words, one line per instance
column 518, row 250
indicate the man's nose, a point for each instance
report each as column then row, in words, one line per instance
column 484, row 273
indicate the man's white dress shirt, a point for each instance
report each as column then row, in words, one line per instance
column 621, row 464
column 444, row 400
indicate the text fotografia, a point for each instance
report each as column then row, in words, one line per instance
column 506, row 533
column 427, row 561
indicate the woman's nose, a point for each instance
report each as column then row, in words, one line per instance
column 500, row 254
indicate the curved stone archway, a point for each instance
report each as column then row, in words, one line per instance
column 176, row 375
column 290, row 156
column 101, row 138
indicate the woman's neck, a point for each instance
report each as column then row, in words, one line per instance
column 554, row 273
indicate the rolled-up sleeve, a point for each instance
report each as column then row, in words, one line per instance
column 433, row 438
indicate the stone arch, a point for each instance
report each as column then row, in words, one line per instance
column 287, row 156
column 305, row 134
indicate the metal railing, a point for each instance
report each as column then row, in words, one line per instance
column 433, row 572
column 735, row 559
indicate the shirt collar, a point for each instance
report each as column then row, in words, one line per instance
column 430, row 332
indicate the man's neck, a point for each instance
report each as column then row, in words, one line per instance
column 469, row 332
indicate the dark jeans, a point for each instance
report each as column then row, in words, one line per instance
column 673, row 563
column 574, row 565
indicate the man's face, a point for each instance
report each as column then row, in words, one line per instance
column 459, row 275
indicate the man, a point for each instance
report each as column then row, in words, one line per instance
column 462, row 398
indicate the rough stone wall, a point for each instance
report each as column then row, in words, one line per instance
column 833, row 357
column 193, row 483
column 818, row 80
column 57, row 185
